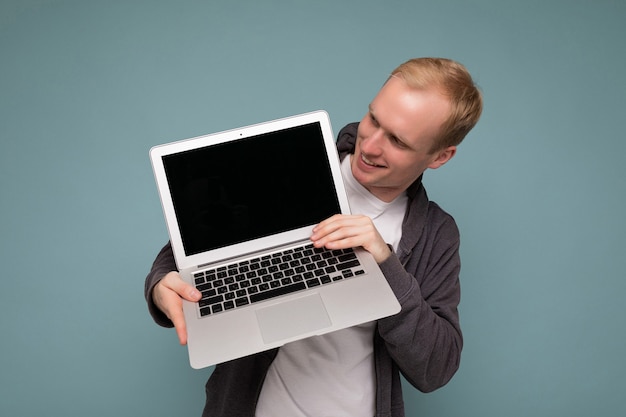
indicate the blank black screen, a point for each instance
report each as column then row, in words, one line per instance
column 245, row 189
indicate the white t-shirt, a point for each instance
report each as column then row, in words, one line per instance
column 333, row 375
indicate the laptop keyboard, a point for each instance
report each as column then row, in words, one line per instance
column 259, row 279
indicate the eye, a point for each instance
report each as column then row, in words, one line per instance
column 397, row 142
column 373, row 120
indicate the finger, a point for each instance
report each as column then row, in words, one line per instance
column 178, row 319
column 340, row 226
column 169, row 294
column 171, row 304
column 329, row 226
column 341, row 238
column 174, row 282
column 330, row 221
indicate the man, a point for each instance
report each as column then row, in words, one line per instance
column 415, row 122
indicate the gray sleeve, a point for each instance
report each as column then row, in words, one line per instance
column 424, row 338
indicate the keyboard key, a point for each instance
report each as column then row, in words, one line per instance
column 347, row 257
column 211, row 300
column 314, row 282
column 277, row 292
column 239, row 302
column 347, row 265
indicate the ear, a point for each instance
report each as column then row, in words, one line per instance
column 442, row 156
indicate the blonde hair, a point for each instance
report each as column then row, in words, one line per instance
column 453, row 80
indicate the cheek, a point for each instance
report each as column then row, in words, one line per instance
column 404, row 166
column 413, row 170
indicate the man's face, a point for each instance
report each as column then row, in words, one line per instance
column 396, row 136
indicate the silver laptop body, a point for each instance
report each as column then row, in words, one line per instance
column 240, row 196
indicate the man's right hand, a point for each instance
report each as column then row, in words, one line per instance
column 168, row 295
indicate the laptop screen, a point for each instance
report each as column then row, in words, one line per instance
column 249, row 188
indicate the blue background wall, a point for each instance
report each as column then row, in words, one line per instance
column 538, row 188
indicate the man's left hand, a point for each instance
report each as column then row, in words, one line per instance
column 348, row 231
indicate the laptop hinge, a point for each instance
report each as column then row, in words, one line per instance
column 271, row 249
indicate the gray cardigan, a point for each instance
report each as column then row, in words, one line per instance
column 423, row 341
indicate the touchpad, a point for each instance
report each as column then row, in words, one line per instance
column 292, row 318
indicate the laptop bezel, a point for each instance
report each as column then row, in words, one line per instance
column 157, row 153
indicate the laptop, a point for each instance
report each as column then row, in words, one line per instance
column 240, row 206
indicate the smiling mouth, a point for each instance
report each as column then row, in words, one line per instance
column 370, row 163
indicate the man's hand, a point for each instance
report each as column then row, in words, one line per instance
column 168, row 295
column 348, row 231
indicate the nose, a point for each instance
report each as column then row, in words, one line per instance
column 372, row 144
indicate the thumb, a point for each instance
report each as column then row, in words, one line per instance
column 184, row 290
column 189, row 292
